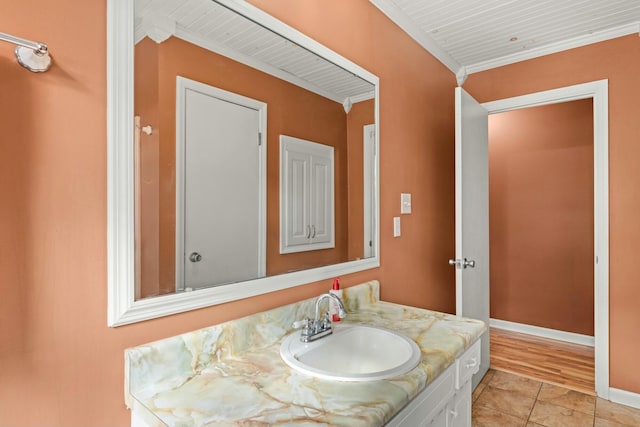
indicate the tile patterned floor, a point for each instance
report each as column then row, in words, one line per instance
column 509, row 400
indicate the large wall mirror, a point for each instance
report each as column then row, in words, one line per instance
column 243, row 157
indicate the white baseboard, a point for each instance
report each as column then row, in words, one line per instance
column 543, row 332
column 624, row 397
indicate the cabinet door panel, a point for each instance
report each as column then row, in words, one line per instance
column 298, row 194
column 439, row 421
column 322, row 200
column 459, row 413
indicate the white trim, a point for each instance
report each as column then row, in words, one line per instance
column 122, row 306
column 395, row 14
column 624, row 397
column 598, row 90
column 120, row 161
column 458, row 194
column 560, row 46
column 538, row 331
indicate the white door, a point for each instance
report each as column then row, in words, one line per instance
column 220, row 225
column 472, row 216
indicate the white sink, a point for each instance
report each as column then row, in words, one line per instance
column 352, row 353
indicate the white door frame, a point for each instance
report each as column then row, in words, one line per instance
column 472, row 217
column 368, row 156
column 599, row 92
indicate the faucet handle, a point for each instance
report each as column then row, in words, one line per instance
column 301, row 323
column 307, row 328
column 326, row 320
column 306, row 324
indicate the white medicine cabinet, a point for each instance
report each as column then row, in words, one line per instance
column 306, row 195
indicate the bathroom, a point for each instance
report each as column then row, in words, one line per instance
column 57, row 350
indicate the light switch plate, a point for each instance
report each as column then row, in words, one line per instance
column 405, row 203
column 396, row 226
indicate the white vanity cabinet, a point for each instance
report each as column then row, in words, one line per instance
column 306, row 195
column 447, row 400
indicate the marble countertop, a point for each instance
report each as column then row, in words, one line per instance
column 231, row 374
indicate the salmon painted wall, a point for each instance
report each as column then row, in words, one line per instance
column 541, row 216
column 617, row 60
column 59, row 362
column 146, row 99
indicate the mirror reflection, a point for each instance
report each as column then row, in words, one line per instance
column 253, row 155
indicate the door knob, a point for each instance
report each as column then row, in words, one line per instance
column 195, row 257
column 462, row 263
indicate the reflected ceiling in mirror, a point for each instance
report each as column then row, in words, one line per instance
column 215, row 27
column 307, row 92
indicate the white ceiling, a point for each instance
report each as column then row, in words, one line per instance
column 483, row 34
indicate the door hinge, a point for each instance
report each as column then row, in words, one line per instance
column 373, row 137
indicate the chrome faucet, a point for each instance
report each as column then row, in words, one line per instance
column 319, row 327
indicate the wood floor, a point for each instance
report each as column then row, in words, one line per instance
column 556, row 362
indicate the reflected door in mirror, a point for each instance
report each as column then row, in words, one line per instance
column 220, row 225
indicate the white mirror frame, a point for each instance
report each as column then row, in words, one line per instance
column 122, row 306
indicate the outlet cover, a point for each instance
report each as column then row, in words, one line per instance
column 405, row 203
column 396, row 226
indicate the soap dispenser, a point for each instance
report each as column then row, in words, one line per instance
column 334, row 308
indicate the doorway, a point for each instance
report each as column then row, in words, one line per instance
column 541, row 219
column 598, row 92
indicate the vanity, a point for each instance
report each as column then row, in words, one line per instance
column 233, row 373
